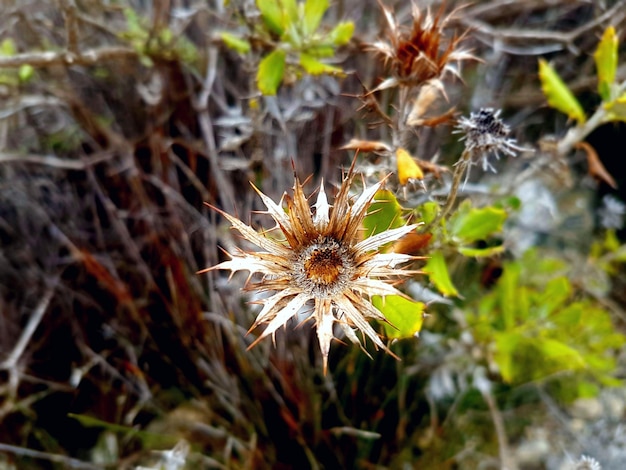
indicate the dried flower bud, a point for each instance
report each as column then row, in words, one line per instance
column 485, row 135
column 587, row 463
column 421, row 53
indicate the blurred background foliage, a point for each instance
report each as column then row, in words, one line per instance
column 118, row 119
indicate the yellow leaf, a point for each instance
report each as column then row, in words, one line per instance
column 558, row 94
column 407, row 167
column 606, row 62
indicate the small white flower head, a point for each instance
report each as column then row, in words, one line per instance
column 612, row 212
column 485, row 135
column 587, row 463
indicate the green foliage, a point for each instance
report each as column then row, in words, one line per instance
column 405, row 315
column 536, row 327
column 293, row 28
column 437, row 272
column 613, row 94
column 162, row 44
column 235, row 43
column 559, row 96
column 606, row 62
column 384, row 213
column 271, row 70
column 469, row 225
column 10, row 77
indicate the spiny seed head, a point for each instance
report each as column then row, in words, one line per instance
column 485, row 134
column 321, row 263
column 423, row 52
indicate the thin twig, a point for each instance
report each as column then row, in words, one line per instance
column 62, row 459
column 71, row 26
column 580, row 132
column 48, row 58
column 33, row 322
column 206, row 127
column 459, row 171
column 506, row 460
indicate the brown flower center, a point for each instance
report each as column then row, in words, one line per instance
column 323, row 268
column 323, row 265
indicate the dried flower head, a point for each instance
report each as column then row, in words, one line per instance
column 421, row 53
column 587, row 463
column 321, row 263
column 485, row 135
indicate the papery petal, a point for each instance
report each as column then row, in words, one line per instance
column 268, row 312
column 324, row 323
column 382, row 238
column 273, row 209
column 322, row 209
column 358, row 320
column 369, row 287
column 253, row 236
column 282, row 316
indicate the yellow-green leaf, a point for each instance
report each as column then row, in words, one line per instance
column 405, row 315
column 290, row 8
column 313, row 12
column 438, row 274
column 315, row 67
column 559, row 96
column 342, row 33
column 481, row 252
column 271, row 70
column 507, row 344
column 606, row 62
column 26, row 72
column 272, row 15
column 384, row 213
column 470, row 224
column 7, row 47
column 428, row 211
column 235, row 42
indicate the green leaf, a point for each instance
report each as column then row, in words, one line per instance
column 313, row 12
column 554, row 295
column 235, row 42
column 290, row 8
column 511, row 296
column 271, row 71
column 320, row 50
column 315, row 67
column 272, row 15
column 559, row 355
column 428, row 211
column 438, row 274
column 559, row 96
column 404, row 314
column 342, row 33
column 469, row 224
column 384, row 213
column 606, row 62
column 26, row 72
column 7, row 48
column 481, row 252
column 506, row 346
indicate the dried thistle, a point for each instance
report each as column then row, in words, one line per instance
column 422, row 53
column 587, row 463
column 322, row 263
column 485, row 135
